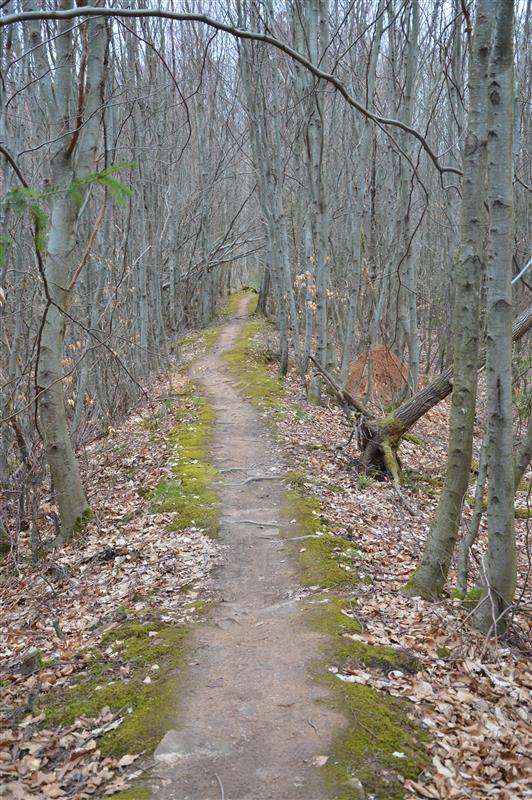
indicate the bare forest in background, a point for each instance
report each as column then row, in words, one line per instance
column 365, row 167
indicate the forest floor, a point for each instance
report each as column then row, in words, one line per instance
column 230, row 625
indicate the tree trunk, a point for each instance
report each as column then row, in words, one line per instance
column 499, row 574
column 73, row 158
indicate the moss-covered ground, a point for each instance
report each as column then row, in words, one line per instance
column 382, row 742
column 206, row 338
column 189, row 493
column 134, row 671
column 231, row 306
column 249, row 365
column 137, row 668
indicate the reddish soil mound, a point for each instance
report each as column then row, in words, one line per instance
column 390, row 375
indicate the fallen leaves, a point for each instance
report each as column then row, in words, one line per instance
column 64, row 762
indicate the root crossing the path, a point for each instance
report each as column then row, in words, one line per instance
column 251, row 723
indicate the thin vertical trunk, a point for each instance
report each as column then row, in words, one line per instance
column 357, row 210
column 499, row 564
column 73, row 158
column 431, row 574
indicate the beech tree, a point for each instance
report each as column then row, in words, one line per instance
column 498, row 575
column 431, row 573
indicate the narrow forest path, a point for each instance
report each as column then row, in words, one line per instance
column 250, row 720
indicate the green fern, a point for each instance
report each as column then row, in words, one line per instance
column 26, row 200
column 118, row 190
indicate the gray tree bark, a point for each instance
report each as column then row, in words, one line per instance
column 499, row 565
column 74, row 157
column 431, row 574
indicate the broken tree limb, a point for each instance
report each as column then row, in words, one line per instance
column 379, row 439
column 343, row 396
column 404, row 417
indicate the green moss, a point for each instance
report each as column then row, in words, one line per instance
column 83, row 520
column 443, row 652
column 326, row 615
column 149, row 423
column 231, row 306
column 189, row 494
column 203, row 606
column 426, row 479
column 383, row 658
column 298, row 480
column 321, row 562
column 379, row 726
column 5, row 543
column 413, row 438
column 205, row 338
column 136, row 793
column 147, row 708
column 390, row 457
column 393, row 427
column 432, row 492
column 472, row 598
column 251, row 371
column 522, row 513
column 323, row 559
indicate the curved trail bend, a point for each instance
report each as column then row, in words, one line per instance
column 251, row 721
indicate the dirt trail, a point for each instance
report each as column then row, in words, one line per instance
column 251, row 720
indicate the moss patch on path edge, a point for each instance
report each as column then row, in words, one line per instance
column 382, row 745
column 188, row 493
column 144, row 706
column 249, row 367
column 136, row 669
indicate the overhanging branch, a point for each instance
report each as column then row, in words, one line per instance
column 239, row 33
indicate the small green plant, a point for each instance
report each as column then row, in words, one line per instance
column 26, row 200
column 363, row 482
